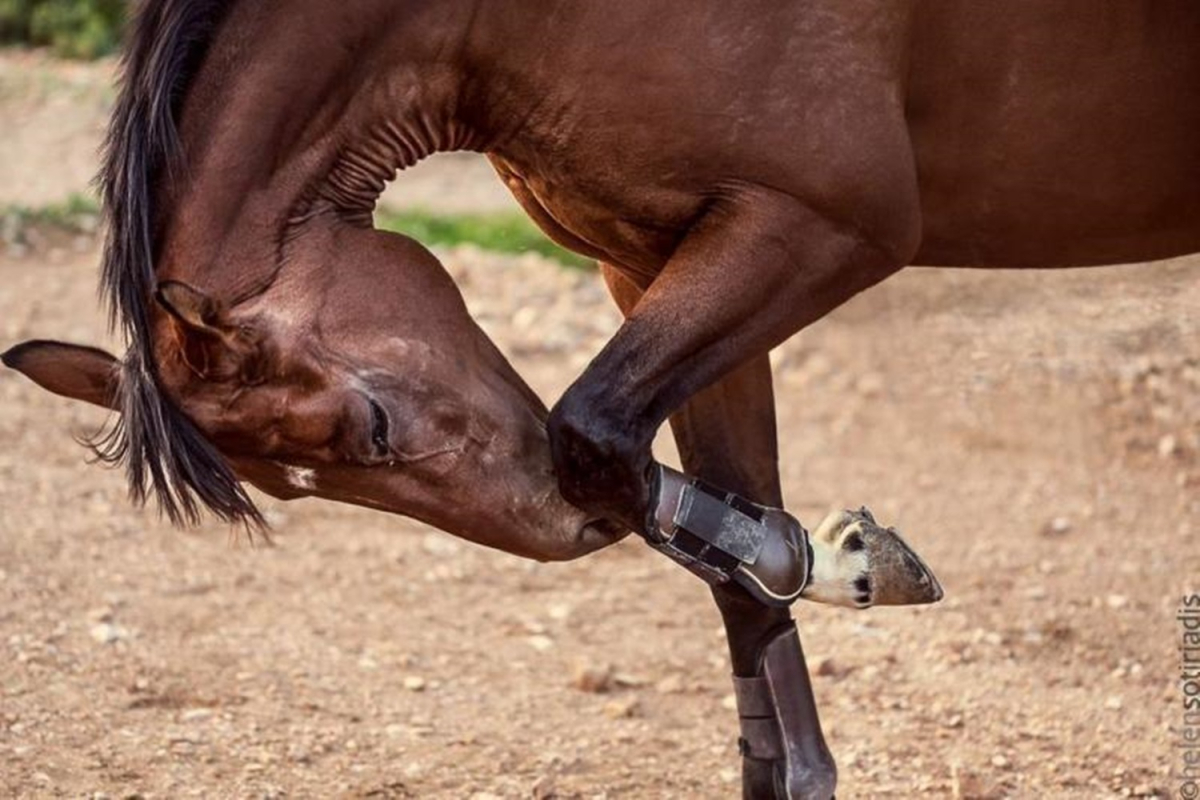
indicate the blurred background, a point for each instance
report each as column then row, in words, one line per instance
column 1034, row 435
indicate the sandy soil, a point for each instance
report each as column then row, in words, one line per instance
column 1034, row 435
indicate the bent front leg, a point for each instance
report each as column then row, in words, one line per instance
column 758, row 267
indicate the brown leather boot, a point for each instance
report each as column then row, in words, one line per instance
column 782, row 757
column 850, row 560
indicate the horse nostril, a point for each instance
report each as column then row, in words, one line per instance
column 379, row 427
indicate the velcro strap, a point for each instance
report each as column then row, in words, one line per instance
column 753, row 697
column 698, row 557
column 725, row 521
column 760, row 739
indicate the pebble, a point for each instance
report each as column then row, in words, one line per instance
column 829, row 667
column 594, row 678
column 622, row 708
column 999, row 761
column 195, row 714
column 1168, row 446
column 1116, row 601
column 540, row 642
column 1059, row 526
column 544, row 788
column 108, row 633
column 672, row 684
column 414, row 683
column 1113, row 703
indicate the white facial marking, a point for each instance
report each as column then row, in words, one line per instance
column 301, row 477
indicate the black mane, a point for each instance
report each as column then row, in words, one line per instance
column 163, row 451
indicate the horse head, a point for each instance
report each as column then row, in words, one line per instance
column 373, row 387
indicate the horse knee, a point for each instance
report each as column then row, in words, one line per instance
column 601, row 458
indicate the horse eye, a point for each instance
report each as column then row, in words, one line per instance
column 252, row 373
column 379, row 427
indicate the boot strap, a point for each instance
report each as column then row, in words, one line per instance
column 760, row 737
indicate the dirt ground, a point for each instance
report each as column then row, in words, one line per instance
column 1034, row 435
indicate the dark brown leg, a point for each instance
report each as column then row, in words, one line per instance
column 726, row 435
column 758, row 267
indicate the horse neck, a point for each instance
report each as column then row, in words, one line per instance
column 303, row 114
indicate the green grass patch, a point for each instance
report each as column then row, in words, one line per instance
column 498, row 232
column 78, row 213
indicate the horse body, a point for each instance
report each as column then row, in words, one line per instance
column 739, row 174
column 987, row 136
column 1021, row 119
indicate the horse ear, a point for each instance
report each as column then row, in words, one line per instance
column 81, row 373
column 192, row 307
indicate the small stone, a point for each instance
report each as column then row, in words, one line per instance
column 954, row 721
column 195, row 714
column 594, row 678
column 414, row 683
column 1116, row 601
column 672, row 684
column 1059, row 526
column 108, row 633
column 622, row 708
column 999, row 761
column 1143, row 790
column 1168, row 446
column 540, row 642
column 544, row 788
column 1113, row 703
column 829, row 667
column 729, row 775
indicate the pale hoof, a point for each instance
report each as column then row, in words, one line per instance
column 858, row 564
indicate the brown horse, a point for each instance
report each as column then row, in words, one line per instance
column 739, row 170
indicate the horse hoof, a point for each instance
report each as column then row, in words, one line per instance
column 858, row 564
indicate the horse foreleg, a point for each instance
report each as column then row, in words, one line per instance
column 759, row 266
column 726, row 436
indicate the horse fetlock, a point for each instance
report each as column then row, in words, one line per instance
column 858, row 564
